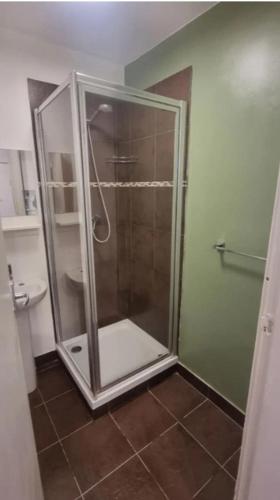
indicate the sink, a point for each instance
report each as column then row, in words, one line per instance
column 75, row 278
column 25, row 296
column 35, row 291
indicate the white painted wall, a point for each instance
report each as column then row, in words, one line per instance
column 23, row 57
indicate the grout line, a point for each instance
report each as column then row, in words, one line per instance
column 76, row 430
column 63, row 450
column 231, row 456
column 218, row 407
column 137, row 453
column 195, row 439
column 195, row 408
column 53, row 398
column 202, row 487
column 47, row 447
column 207, row 451
column 153, row 477
column 109, row 474
column 36, row 406
column 162, row 434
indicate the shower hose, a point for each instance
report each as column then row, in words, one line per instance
column 100, row 193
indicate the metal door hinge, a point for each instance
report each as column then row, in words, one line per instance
column 267, row 324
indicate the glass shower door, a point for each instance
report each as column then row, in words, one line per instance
column 61, row 183
column 132, row 167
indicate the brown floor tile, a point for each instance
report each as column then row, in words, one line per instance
column 177, row 395
column 232, row 464
column 57, row 479
column 69, row 412
column 96, row 450
column 43, row 429
column 53, row 382
column 178, row 463
column 34, row 398
column 221, row 487
column 142, row 419
column 130, row 482
column 217, row 432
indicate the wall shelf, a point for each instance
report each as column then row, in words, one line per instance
column 20, row 223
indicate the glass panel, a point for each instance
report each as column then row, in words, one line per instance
column 131, row 153
column 68, row 275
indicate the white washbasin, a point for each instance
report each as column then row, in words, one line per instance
column 75, row 278
column 35, row 290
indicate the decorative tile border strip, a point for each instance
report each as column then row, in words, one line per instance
column 136, row 184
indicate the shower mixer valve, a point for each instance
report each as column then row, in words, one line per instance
column 96, row 219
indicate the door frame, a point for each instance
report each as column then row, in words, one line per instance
column 19, row 467
column 267, row 334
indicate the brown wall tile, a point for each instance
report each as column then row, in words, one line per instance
column 103, row 151
column 144, row 151
column 177, row 86
column 162, row 251
column 142, row 205
column 165, row 120
column 163, row 212
column 164, row 156
column 142, row 121
column 142, row 245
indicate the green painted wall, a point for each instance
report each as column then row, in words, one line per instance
column 233, row 158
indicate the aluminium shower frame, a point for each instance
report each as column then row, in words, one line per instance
column 79, row 85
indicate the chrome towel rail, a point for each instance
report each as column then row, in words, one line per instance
column 221, row 247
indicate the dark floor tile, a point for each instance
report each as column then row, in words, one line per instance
column 57, row 480
column 53, row 382
column 221, row 487
column 43, row 429
column 178, row 463
column 177, row 395
column 96, row 450
column 34, row 398
column 130, row 482
column 142, row 419
column 69, row 412
column 217, row 432
column 233, row 463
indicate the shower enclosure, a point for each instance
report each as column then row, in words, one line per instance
column 112, row 179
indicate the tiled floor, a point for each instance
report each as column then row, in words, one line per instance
column 166, row 443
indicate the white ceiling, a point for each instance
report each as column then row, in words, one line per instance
column 117, row 31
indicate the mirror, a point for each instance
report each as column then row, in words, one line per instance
column 17, row 183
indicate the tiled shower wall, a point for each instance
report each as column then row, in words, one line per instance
column 144, row 213
column 144, row 220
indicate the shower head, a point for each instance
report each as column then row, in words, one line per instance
column 104, row 108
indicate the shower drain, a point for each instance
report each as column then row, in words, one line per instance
column 76, row 348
